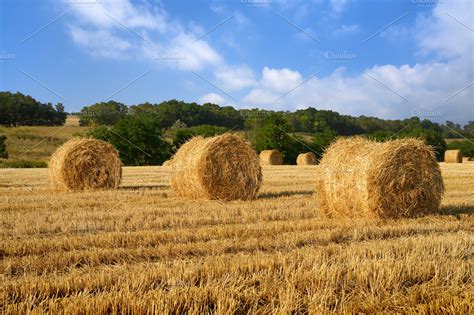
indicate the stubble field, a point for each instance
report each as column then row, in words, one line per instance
column 138, row 249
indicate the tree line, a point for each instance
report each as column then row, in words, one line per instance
column 290, row 132
column 153, row 132
column 17, row 109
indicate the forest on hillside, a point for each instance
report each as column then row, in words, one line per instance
column 146, row 125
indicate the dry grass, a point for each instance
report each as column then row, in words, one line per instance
column 72, row 121
column 37, row 143
column 138, row 249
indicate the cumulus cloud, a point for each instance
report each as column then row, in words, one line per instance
column 279, row 80
column 212, row 98
column 119, row 28
column 442, row 86
column 234, row 78
column 101, row 42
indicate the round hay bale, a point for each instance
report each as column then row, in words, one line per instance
column 394, row 179
column 465, row 159
column 222, row 167
column 271, row 157
column 83, row 164
column 308, row 158
column 453, row 156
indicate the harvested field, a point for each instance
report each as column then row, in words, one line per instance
column 139, row 249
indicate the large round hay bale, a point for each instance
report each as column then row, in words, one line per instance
column 223, row 167
column 271, row 157
column 394, row 179
column 453, row 156
column 83, row 164
column 308, row 158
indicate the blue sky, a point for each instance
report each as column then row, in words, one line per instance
column 391, row 59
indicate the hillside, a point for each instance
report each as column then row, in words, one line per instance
column 36, row 143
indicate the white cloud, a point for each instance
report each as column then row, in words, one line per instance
column 212, row 98
column 101, row 43
column 390, row 91
column 217, row 8
column 102, row 14
column 346, row 30
column 447, row 31
column 112, row 28
column 193, row 54
column 261, row 98
column 338, row 6
column 234, row 78
column 279, row 80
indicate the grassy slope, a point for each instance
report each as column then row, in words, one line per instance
column 138, row 248
column 37, row 143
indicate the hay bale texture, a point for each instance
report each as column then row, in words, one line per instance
column 84, row 164
column 223, row 167
column 166, row 163
column 394, row 179
column 453, row 156
column 308, row 158
column 271, row 157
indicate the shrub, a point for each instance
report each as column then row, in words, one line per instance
column 23, row 164
column 102, row 113
column 3, row 147
column 466, row 147
column 138, row 139
column 184, row 134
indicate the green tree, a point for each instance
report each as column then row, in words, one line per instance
column 102, row 113
column 138, row 140
column 275, row 133
column 322, row 140
column 382, row 135
column 3, row 147
column 431, row 132
column 23, row 110
column 469, row 129
column 184, row 134
column 466, row 146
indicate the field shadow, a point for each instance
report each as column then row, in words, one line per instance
column 285, row 194
column 146, row 187
column 456, row 210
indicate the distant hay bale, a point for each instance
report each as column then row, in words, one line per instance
column 223, row 167
column 465, row 159
column 271, row 157
column 394, row 179
column 453, row 156
column 308, row 158
column 83, row 164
